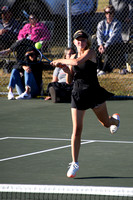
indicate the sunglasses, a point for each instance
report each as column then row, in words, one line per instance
column 109, row 12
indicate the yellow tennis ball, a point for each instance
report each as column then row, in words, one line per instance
column 38, row 45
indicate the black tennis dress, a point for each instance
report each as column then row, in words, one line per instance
column 87, row 93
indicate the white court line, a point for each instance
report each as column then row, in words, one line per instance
column 109, row 141
column 4, row 138
column 57, row 148
column 61, row 139
column 35, row 138
column 39, row 152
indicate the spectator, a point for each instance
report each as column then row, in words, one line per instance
column 124, row 13
column 9, row 28
column 27, row 77
column 20, row 47
column 82, row 12
column 58, row 89
column 110, row 43
column 35, row 31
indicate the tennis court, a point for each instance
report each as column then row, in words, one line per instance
column 35, row 145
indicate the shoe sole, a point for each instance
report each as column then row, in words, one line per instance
column 71, row 176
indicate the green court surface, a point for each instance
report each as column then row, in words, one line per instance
column 35, row 145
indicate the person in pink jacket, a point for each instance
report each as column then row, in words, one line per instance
column 35, row 31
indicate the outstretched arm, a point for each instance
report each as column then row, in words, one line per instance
column 87, row 55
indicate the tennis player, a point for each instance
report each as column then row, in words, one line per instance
column 86, row 93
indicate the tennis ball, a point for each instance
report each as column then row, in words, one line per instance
column 38, row 45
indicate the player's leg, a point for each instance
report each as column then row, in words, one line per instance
column 103, row 116
column 77, row 119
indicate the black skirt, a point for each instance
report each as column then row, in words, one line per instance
column 85, row 96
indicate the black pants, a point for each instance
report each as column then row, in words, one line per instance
column 62, row 90
column 114, row 57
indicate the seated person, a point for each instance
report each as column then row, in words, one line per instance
column 9, row 28
column 35, row 31
column 58, row 90
column 110, row 43
column 20, row 47
column 124, row 13
column 26, row 77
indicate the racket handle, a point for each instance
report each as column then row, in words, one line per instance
column 46, row 58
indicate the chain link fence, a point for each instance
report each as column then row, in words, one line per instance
column 62, row 23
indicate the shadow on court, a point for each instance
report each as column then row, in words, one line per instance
column 35, row 145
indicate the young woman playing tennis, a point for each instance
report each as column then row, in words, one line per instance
column 86, row 93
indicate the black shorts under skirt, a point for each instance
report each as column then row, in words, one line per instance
column 84, row 97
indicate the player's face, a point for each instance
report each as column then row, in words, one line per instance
column 80, row 42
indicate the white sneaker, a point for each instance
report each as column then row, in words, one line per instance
column 74, row 167
column 100, row 73
column 24, row 96
column 114, row 128
column 10, row 96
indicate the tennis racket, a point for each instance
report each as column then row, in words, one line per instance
column 20, row 53
column 21, row 47
column 46, row 58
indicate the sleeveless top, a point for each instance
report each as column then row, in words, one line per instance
column 87, row 92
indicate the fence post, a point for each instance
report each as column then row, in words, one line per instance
column 69, row 23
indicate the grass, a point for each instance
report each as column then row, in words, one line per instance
column 120, row 85
column 102, row 4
